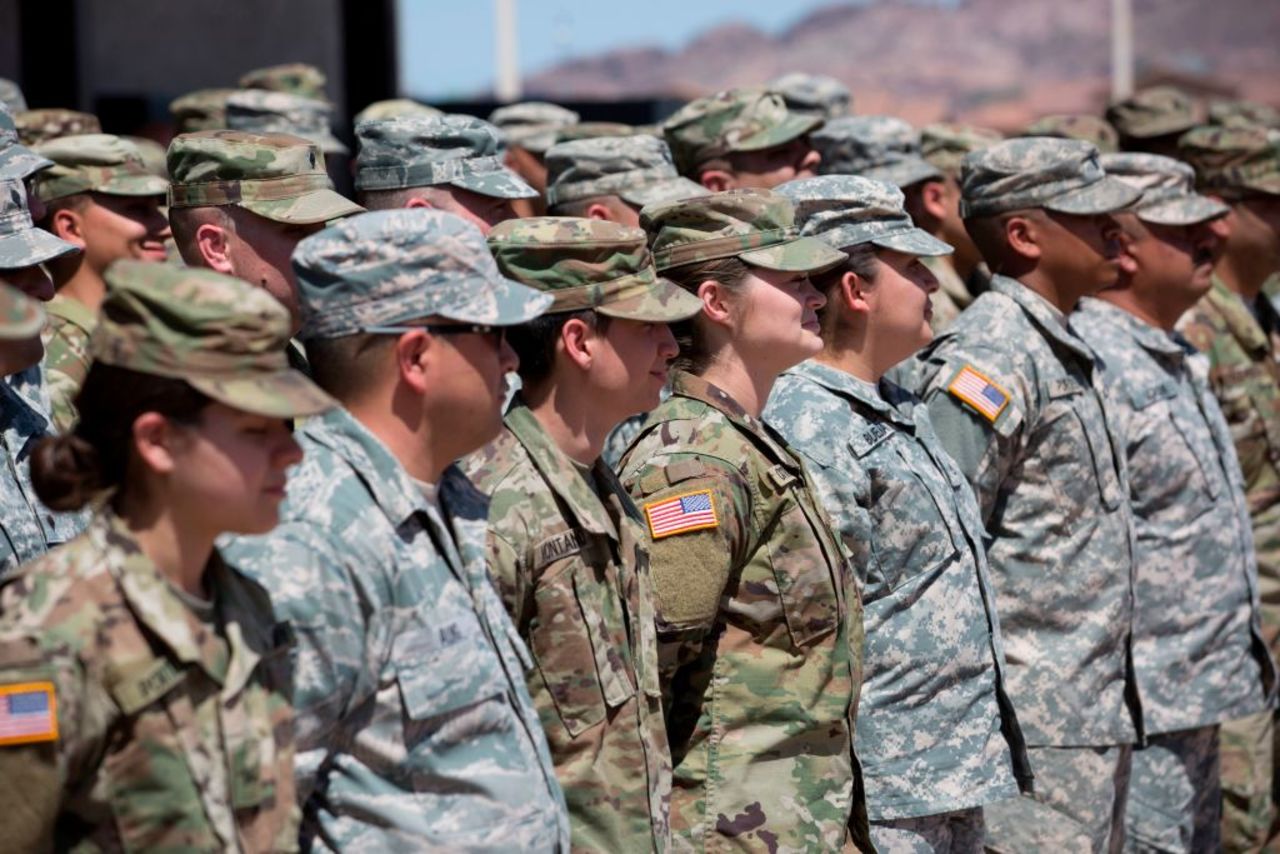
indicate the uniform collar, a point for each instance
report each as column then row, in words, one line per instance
column 73, row 311
column 1241, row 323
column 889, row 402
column 684, row 384
column 1051, row 322
column 1148, row 337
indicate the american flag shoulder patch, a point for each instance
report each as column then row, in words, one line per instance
column 28, row 713
column 693, row 511
column 976, row 389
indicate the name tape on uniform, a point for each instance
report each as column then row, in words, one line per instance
column 977, row 390
column 28, row 713
column 693, row 511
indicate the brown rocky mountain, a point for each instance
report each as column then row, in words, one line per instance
column 994, row 62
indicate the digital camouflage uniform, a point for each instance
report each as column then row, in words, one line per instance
column 11, row 97
column 157, row 720
column 1242, row 347
column 910, row 525
column 568, row 551
column 881, row 147
column 415, row 730
column 16, row 159
column 97, row 163
column 394, row 108
column 36, row 126
column 813, row 94
column 1016, row 399
column 637, row 169
column 759, row 615
column 1077, row 126
column 264, row 111
column 532, row 125
column 729, row 121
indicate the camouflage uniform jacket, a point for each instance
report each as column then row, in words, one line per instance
column 952, row 296
column 571, row 561
column 1198, row 644
column 759, row 632
column 174, row 730
column 66, row 356
column 1244, row 374
column 28, row 529
column 1037, row 447
column 909, row 522
column 415, row 729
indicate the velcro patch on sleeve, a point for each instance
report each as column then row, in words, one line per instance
column 976, row 389
column 28, row 713
column 693, row 511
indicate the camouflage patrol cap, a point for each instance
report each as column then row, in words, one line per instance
column 414, row 151
column 21, row 317
column 95, row 162
column 1077, row 126
column 589, row 264
column 203, row 109
column 592, row 130
column 293, row 78
column 386, row 268
column 1233, row 161
column 1156, row 111
column 1062, row 175
column 21, row 243
column 532, row 125
column 39, row 125
column 880, row 147
column 1167, row 187
column 16, row 160
column 394, row 109
column 944, row 144
column 637, row 169
column 845, row 211
column 729, row 121
column 813, row 94
column 263, row 111
column 11, row 97
column 276, row 176
column 755, row 226
column 1241, row 113
column 222, row 336
column 153, row 156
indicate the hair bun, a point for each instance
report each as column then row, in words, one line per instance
column 66, row 472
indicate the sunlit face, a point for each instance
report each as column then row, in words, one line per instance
column 259, row 250
column 631, row 364
column 116, row 227
column 776, row 320
column 469, row 385
column 900, row 304
column 770, row 167
column 1175, row 262
column 1081, row 251
column 1255, row 228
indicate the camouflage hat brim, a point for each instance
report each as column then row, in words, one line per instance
column 283, row 394
column 134, row 185
column 1107, row 195
column 802, row 255
column 504, row 302
column 312, row 207
column 666, row 190
column 791, row 127
column 904, row 172
column 1188, row 210
column 914, row 241
column 661, row 302
column 328, row 143
column 502, row 184
column 18, row 161
column 31, row 246
column 21, row 317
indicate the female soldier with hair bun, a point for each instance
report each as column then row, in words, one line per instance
column 143, row 683
column 759, row 618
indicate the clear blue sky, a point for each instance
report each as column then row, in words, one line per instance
column 446, row 46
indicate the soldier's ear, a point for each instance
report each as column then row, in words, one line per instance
column 596, row 210
column 1022, row 234
column 67, row 224
column 413, row 354
column 577, row 341
column 213, row 243
column 717, row 180
column 417, row 202
column 154, row 438
column 853, row 293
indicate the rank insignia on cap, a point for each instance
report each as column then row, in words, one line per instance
column 692, row 511
column 975, row 389
column 28, row 713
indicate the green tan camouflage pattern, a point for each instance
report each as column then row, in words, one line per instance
column 588, row 263
column 940, row 734
column 95, row 162
column 221, row 335
column 592, row 130
column 1240, row 112
column 1175, row 794
column 846, row 211
column 21, row 317
column 760, row 634
column 153, row 156
column 36, row 126
column 174, row 729
column 1083, row 126
column 944, row 144
column 1246, row 755
column 16, row 160
column 813, row 94
column 415, row 730
column 728, row 121
column 391, row 267
column 293, row 78
column 757, row 226
column 1233, row 161
column 263, row 111
column 203, row 109
column 277, row 176
column 21, row 243
column 532, row 125
column 637, row 169
column 66, row 356
column 881, row 147
column 11, row 97
column 1063, row 175
column 1167, row 186
column 394, row 108
column 1155, row 111
column 568, row 552
column 422, row 151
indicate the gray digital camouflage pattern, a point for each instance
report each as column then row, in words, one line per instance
column 11, row 97
column 264, row 111
column 910, row 525
column 1167, row 187
column 881, row 147
column 1089, row 128
column 394, row 108
column 21, row 243
column 1175, row 794
column 637, row 169
column 1063, row 175
column 813, row 94
column 532, row 125
column 944, row 144
column 845, row 211
column 16, row 160
column 732, row 120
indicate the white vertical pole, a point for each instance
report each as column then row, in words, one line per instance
column 1121, row 49
column 506, row 79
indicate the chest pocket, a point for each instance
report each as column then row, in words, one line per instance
column 444, row 662
column 1075, row 450
column 576, row 653
column 1172, row 466
column 801, row 556
column 910, row 533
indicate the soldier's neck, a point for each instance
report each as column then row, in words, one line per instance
column 1149, row 311
column 1060, row 295
column 731, row 376
column 85, row 286
column 1244, row 273
column 572, row 417
column 180, row 551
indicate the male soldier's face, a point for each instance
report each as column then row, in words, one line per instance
column 1174, row 262
column 632, row 364
column 116, row 227
column 773, row 166
column 1082, row 253
column 469, row 386
column 259, row 250
column 1255, row 229
column 483, row 211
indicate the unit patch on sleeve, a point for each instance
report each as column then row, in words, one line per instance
column 692, row 511
column 28, row 713
column 975, row 389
